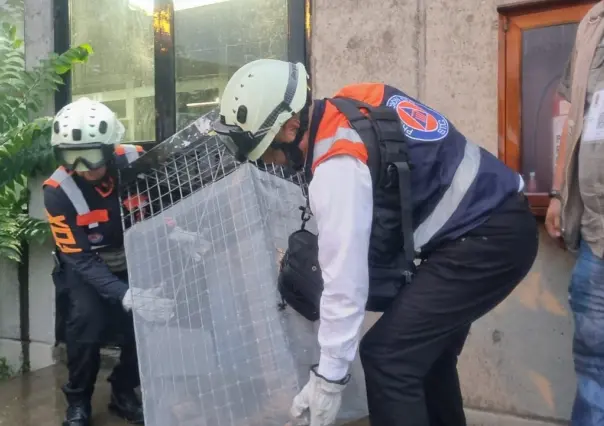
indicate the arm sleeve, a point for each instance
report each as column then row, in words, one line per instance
column 74, row 248
column 564, row 87
column 342, row 201
column 146, row 197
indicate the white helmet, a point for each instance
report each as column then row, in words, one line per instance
column 84, row 135
column 258, row 99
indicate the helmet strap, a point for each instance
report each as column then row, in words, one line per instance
column 107, row 177
column 293, row 153
column 97, row 182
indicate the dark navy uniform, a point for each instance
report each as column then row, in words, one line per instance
column 90, row 276
column 467, row 220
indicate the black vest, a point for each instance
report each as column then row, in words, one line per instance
column 391, row 250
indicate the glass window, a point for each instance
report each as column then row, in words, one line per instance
column 120, row 73
column 213, row 38
column 534, row 46
column 545, row 52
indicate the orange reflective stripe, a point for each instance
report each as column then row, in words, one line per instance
column 105, row 189
column 62, row 234
column 121, row 149
column 370, row 93
column 129, row 151
column 94, row 216
column 335, row 136
column 330, row 122
column 343, row 147
column 51, row 182
column 135, row 202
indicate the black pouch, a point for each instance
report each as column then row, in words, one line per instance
column 300, row 282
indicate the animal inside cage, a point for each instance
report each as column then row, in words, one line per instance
column 209, row 233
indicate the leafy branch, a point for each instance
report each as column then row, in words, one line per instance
column 25, row 149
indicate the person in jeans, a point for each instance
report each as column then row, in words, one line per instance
column 576, row 211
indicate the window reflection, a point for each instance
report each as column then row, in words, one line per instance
column 213, row 39
column 121, row 71
column 545, row 52
column 147, row 5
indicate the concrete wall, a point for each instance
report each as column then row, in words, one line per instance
column 39, row 42
column 517, row 359
column 41, row 290
column 10, row 345
column 37, row 27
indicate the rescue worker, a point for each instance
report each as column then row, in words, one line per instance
column 91, row 279
column 450, row 203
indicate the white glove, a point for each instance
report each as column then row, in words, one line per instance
column 148, row 304
column 318, row 402
column 193, row 242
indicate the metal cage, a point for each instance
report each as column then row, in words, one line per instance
column 209, row 232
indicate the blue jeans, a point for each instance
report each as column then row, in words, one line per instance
column 587, row 303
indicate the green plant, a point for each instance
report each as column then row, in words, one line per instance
column 24, row 139
column 6, row 371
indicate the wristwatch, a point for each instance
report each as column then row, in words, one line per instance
column 554, row 193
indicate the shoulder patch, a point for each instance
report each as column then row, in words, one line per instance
column 419, row 121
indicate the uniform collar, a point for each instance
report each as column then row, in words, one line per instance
column 105, row 187
column 317, row 116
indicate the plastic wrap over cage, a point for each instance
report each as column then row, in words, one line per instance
column 209, row 233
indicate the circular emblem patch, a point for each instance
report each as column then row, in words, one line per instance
column 419, row 121
column 95, row 238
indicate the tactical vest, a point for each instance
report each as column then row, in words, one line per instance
column 425, row 192
column 61, row 178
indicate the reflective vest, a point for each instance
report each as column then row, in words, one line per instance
column 431, row 184
column 63, row 179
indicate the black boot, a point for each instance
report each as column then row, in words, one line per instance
column 78, row 414
column 126, row 405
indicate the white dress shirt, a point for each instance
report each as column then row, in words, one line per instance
column 341, row 199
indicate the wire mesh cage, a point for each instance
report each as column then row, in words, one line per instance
column 209, row 232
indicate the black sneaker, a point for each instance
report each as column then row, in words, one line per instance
column 78, row 414
column 125, row 404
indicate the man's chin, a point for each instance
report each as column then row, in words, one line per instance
column 276, row 157
column 94, row 176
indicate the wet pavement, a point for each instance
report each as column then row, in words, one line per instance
column 35, row 399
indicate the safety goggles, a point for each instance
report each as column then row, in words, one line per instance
column 84, row 157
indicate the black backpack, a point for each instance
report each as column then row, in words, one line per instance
column 300, row 282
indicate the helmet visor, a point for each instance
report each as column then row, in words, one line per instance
column 84, row 157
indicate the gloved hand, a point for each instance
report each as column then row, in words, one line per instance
column 318, row 402
column 148, row 304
